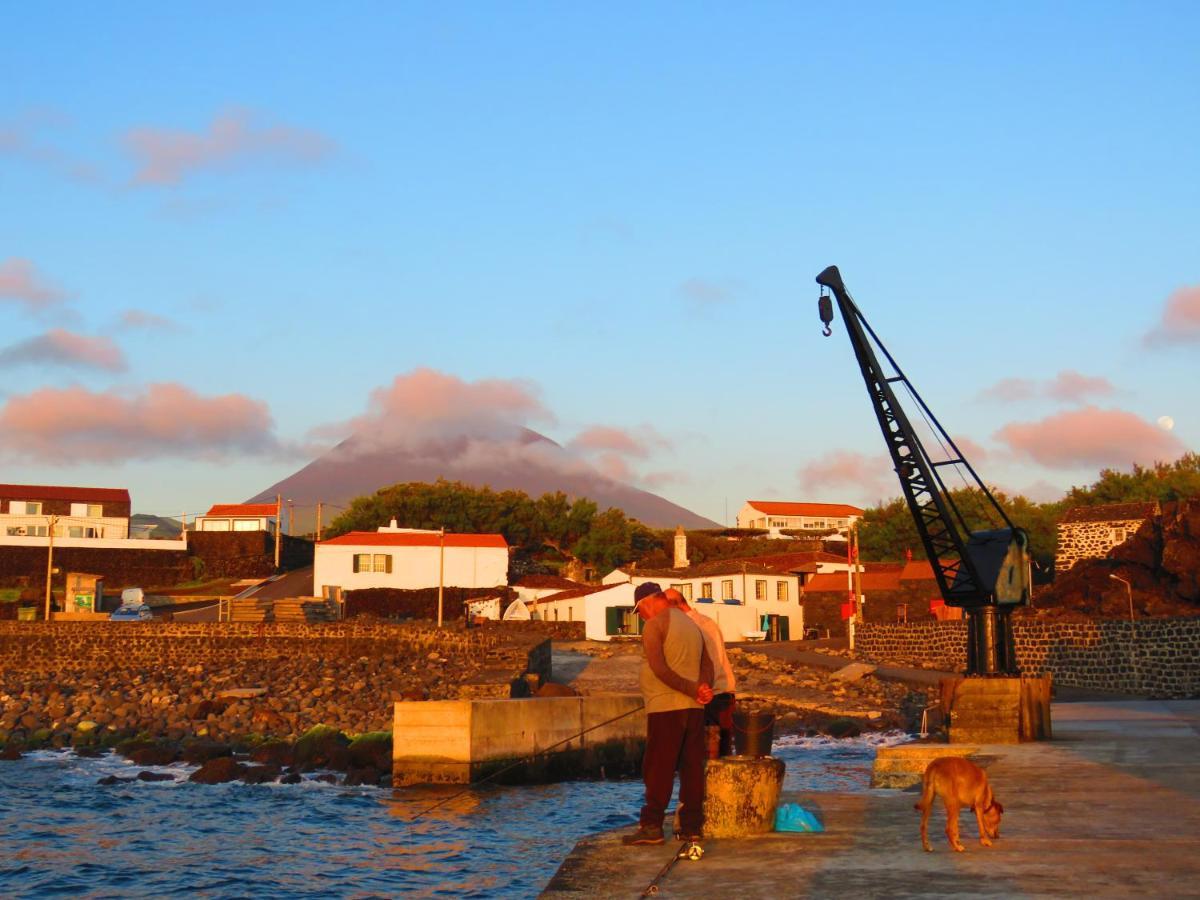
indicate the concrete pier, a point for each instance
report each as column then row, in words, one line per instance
column 1109, row 808
column 461, row 741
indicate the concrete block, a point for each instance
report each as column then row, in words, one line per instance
column 740, row 795
column 902, row 766
column 853, row 672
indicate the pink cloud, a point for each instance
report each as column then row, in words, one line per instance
column 972, row 451
column 615, row 467
column 1010, row 390
column 1091, row 438
column 1072, row 387
column 638, row 442
column 660, row 479
column 20, row 281
column 148, row 321
column 1180, row 321
column 426, row 405
column 866, row 476
column 75, row 425
column 166, row 157
column 21, row 139
column 65, row 348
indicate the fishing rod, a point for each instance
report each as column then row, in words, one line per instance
column 523, row 760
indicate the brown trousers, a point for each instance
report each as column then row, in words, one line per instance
column 674, row 742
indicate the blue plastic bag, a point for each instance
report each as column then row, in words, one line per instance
column 794, row 817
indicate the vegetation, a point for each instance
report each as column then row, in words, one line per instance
column 573, row 529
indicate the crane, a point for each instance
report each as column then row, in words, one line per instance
column 985, row 573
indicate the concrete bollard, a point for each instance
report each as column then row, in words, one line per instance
column 741, row 793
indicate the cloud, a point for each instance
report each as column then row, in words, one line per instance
column 664, row 478
column 21, row 139
column 137, row 319
column 638, row 443
column 972, row 451
column 19, row 281
column 702, row 293
column 869, row 477
column 1067, row 386
column 63, row 426
column 65, row 348
column 1091, row 438
column 165, row 157
column 1180, row 320
column 425, row 406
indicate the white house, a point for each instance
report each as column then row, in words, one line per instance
column 27, row 510
column 532, row 588
column 409, row 560
column 607, row 611
column 748, row 599
column 778, row 516
column 238, row 517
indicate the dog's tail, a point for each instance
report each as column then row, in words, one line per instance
column 926, row 793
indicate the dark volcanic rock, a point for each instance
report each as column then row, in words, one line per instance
column 218, row 771
column 154, row 755
column 154, row 776
column 291, row 778
column 261, row 774
column 10, row 753
column 202, row 751
column 114, row 779
column 279, row 753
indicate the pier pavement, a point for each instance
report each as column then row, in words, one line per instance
column 1109, row 808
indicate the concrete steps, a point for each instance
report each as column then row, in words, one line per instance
column 250, row 610
column 304, row 609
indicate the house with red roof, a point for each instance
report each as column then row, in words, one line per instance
column 777, row 516
column 239, row 517
column 26, row 510
column 409, row 559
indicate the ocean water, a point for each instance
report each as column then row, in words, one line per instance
column 65, row 835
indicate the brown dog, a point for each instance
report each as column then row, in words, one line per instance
column 959, row 783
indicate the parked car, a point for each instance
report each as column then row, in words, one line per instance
column 132, row 612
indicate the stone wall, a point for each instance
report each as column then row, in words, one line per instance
column 1090, row 540
column 31, row 646
column 823, row 609
column 1151, row 657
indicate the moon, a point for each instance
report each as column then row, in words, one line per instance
column 1166, row 423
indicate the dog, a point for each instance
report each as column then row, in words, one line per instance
column 959, row 783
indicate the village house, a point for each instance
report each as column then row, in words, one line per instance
column 607, row 611
column 778, row 516
column 1089, row 532
column 409, row 559
column 239, row 517
column 26, row 510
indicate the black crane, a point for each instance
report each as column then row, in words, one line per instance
column 986, row 573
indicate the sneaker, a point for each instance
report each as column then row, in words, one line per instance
column 646, row 834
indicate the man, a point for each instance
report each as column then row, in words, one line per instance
column 718, row 711
column 675, row 680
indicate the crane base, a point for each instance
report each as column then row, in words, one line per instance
column 997, row 710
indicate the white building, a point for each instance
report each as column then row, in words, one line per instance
column 238, row 517
column 778, row 516
column 31, row 510
column 409, row 560
column 607, row 611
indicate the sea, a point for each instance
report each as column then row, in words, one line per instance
column 65, row 835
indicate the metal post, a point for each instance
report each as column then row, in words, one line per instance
column 441, row 570
column 278, row 525
column 1132, row 628
column 318, row 521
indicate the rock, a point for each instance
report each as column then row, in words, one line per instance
column 155, row 776
column 853, row 672
column 241, row 693
column 843, row 728
column 218, row 771
column 321, row 746
column 553, row 689
column 278, row 753
column 261, row 774
column 373, row 750
column 366, row 775
column 291, row 778
column 10, row 753
column 114, row 779
column 154, row 755
column 199, row 752
column 86, row 726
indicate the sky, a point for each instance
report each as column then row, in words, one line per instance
column 231, row 232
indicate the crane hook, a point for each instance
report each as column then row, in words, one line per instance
column 825, row 310
column 827, row 331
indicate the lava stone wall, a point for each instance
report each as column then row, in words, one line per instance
column 1089, row 540
column 25, row 567
column 57, row 645
column 1151, row 657
column 823, row 609
column 245, row 554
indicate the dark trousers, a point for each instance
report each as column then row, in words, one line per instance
column 674, row 741
column 719, row 712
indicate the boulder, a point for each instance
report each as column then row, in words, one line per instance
column 373, row 749
column 261, row 774
column 155, row 776
column 321, row 746
column 199, row 752
column 154, row 755
column 218, row 771
column 279, row 753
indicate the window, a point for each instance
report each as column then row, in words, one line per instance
column 781, row 591
column 570, row 616
column 779, row 523
column 383, row 563
column 706, row 589
column 760, row 589
column 95, row 511
column 246, row 525
column 727, row 589
column 684, row 588
column 1118, row 535
column 32, row 508
column 215, row 525
column 818, row 523
column 362, row 562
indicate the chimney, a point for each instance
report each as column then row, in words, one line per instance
column 681, row 557
column 392, row 525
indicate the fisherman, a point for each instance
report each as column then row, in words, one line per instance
column 676, row 681
column 718, row 712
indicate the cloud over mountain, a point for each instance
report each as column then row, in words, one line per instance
column 66, row 348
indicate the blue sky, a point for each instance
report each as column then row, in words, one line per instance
column 618, row 208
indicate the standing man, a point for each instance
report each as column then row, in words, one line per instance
column 675, row 679
column 719, row 710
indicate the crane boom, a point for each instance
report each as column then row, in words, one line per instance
column 983, row 572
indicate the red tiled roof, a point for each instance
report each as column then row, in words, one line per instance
column 542, row 582
column 869, row 581
column 415, row 539
column 53, row 492
column 786, row 562
column 581, row 591
column 779, row 508
column 243, row 509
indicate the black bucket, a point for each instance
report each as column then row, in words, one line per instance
column 753, row 733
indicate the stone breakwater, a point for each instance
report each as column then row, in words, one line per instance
column 95, row 685
column 1150, row 657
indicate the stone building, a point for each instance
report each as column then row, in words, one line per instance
column 1089, row 532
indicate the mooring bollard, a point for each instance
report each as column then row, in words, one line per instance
column 741, row 793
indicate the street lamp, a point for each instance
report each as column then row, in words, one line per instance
column 1132, row 653
column 1128, row 593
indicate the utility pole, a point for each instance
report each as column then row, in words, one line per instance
column 858, row 597
column 318, row 532
column 441, row 570
column 291, row 517
column 52, row 520
column 278, row 526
